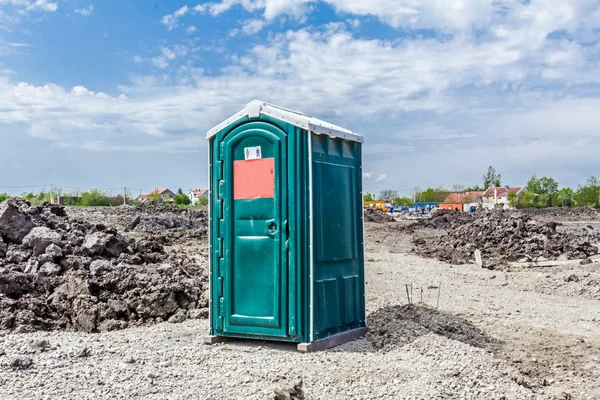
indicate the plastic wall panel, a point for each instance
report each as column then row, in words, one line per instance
column 339, row 303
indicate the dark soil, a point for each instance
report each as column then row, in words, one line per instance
column 69, row 274
column 400, row 325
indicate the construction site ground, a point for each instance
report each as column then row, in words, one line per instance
column 471, row 333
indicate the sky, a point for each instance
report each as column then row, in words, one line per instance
column 112, row 93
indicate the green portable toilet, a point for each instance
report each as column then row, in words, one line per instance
column 286, row 229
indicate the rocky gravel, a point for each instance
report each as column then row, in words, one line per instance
column 167, row 361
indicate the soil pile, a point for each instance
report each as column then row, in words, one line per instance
column 157, row 218
column 376, row 215
column 63, row 273
column 441, row 220
column 153, row 218
column 504, row 238
column 563, row 213
column 400, row 325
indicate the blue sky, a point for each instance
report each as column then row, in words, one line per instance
column 120, row 93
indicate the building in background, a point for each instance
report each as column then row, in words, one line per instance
column 165, row 195
column 498, row 196
column 463, row 201
column 196, row 194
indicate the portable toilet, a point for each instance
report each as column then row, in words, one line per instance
column 286, row 229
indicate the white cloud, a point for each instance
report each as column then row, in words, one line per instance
column 42, row 132
column 171, row 21
column 40, row 5
column 367, row 175
column 168, row 55
column 381, row 178
column 252, row 26
column 85, row 11
column 354, row 23
column 181, row 12
column 271, row 9
column 191, row 29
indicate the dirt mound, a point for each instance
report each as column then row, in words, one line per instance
column 504, row 238
column 441, row 220
column 376, row 215
column 63, row 273
column 152, row 218
column 400, row 325
column 563, row 213
column 171, row 221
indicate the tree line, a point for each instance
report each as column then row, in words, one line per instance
column 538, row 193
column 96, row 198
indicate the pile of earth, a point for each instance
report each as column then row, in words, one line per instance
column 441, row 219
column 153, row 218
column 161, row 217
column 377, row 215
column 563, row 213
column 503, row 238
column 399, row 325
column 58, row 272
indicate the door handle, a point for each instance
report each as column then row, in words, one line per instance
column 271, row 226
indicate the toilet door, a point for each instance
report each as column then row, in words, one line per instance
column 254, row 193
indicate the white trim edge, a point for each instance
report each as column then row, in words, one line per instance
column 311, row 240
column 256, row 107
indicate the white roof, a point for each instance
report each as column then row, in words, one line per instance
column 256, row 107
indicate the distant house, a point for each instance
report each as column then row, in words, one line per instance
column 165, row 195
column 196, row 194
column 498, row 196
column 464, row 198
column 462, row 201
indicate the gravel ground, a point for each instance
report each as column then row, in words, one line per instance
column 546, row 345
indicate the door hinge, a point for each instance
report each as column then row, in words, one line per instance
column 221, row 313
column 221, row 194
column 219, row 287
column 219, row 247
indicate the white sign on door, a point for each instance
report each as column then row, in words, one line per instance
column 252, row 153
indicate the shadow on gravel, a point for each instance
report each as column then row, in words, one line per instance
column 399, row 325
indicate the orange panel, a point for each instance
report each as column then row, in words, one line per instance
column 450, row 206
column 254, row 179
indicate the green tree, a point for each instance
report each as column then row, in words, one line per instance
column 3, row 197
column 179, row 191
column 526, row 200
column 203, row 201
column 474, row 188
column 513, row 199
column 544, row 200
column 589, row 194
column 388, row 194
column 95, row 198
column 491, row 178
column 437, row 195
column 368, row 197
column 459, row 188
column 403, row 201
column 154, row 197
column 565, row 197
column 182, row 200
column 545, row 187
